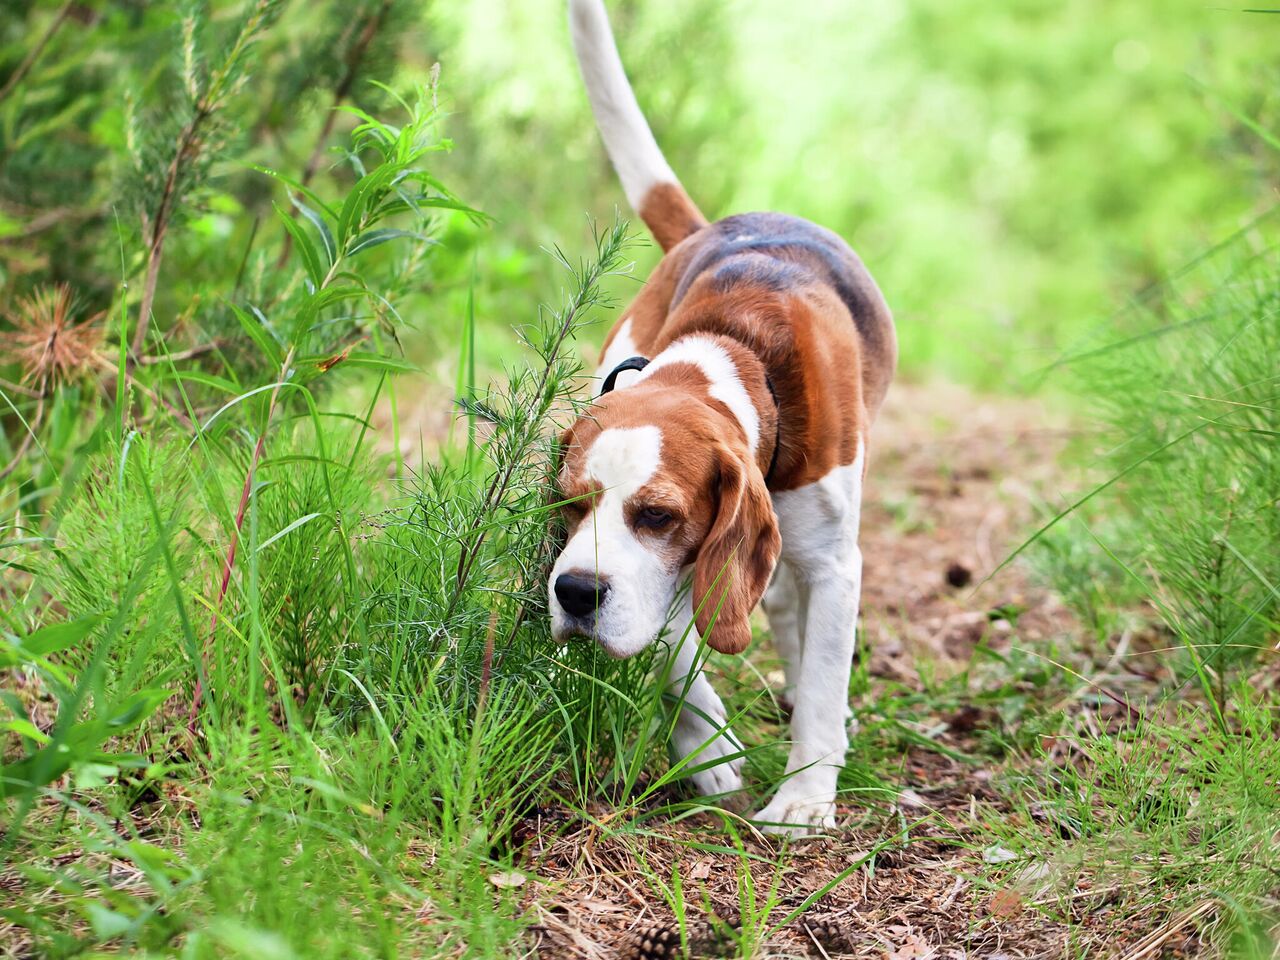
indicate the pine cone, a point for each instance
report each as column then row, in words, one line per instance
column 715, row 937
column 659, row 941
column 833, row 933
column 655, row 942
column 727, row 917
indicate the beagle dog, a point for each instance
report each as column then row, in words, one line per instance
column 723, row 461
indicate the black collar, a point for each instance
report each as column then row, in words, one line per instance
column 634, row 363
column 639, row 363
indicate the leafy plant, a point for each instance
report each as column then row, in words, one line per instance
column 1188, row 400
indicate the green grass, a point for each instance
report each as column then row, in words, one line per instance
column 1182, row 389
column 342, row 675
column 1172, row 806
column 272, row 687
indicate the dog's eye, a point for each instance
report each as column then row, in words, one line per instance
column 653, row 518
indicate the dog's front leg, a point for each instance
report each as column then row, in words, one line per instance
column 822, row 523
column 782, row 605
column 701, row 730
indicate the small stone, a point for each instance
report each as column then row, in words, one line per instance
column 958, row 576
column 507, row 879
column 1005, row 904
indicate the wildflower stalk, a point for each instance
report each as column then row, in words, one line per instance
column 332, row 281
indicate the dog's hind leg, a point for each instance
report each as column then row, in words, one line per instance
column 820, row 542
column 701, row 731
column 782, row 606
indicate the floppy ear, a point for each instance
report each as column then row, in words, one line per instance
column 558, row 453
column 736, row 559
column 554, row 495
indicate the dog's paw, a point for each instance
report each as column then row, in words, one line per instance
column 723, row 778
column 789, row 815
column 724, row 773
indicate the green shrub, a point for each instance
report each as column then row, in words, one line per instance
column 1184, row 388
column 212, row 581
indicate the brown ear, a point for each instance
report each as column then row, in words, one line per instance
column 558, row 452
column 737, row 557
column 555, row 496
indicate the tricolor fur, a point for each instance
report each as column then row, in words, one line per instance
column 732, row 463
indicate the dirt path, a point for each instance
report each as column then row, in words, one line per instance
column 953, row 484
column 953, row 489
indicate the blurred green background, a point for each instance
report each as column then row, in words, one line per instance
column 1011, row 173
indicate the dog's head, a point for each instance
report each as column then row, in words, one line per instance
column 659, row 486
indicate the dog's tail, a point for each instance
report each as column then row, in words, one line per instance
column 650, row 185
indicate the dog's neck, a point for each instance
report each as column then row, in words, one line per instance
column 735, row 378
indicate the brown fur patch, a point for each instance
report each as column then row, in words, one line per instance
column 670, row 215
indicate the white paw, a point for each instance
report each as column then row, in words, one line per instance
column 789, row 815
column 724, row 776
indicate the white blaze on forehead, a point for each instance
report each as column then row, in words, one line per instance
column 621, row 347
column 722, row 375
column 623, row 459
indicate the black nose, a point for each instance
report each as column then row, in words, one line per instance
column 580, row 594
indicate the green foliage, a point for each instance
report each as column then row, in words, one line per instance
column 1070, row 557
column 299, row 690
column 78, row 745
column 1184, row 388
column 1182, row 808
column 203, row 547
column 372, row 671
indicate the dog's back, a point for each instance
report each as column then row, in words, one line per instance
column 779, row 253
column 772, row 253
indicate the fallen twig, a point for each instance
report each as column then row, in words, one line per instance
column 1152, row 942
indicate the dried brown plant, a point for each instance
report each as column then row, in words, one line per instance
column 52, row 346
